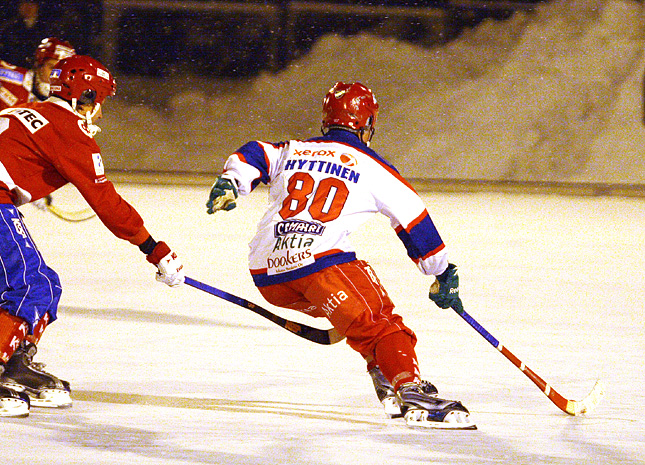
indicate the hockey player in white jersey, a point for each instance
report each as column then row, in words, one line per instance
column 321, row 190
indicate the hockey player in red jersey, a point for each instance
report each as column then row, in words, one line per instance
column 321, row 190
column 43, row 146
column 20, row 85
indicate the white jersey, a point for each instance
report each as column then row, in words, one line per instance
column 321, row 190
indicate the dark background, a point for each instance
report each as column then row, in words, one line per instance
column 158, row 42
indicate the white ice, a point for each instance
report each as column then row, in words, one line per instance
column 177, row 376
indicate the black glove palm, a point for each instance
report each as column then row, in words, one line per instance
column 445, row 290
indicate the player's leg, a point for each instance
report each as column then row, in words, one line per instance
column 358, row 305
column 30, row 293
column 12, row 331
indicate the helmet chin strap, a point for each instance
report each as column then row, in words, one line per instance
column 89, row 115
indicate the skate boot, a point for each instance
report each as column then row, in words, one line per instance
column 387, row 396
column 426, row 411
column 13, row 404
column 24, row 376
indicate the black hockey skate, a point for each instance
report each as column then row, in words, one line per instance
column 13, row 404
column 23, row 375
column 387, row 396
column 426, row 411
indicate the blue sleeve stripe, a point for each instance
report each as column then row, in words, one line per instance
column 422, row 240
column 253, row 154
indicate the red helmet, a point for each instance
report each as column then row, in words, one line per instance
column 349, row 105
column 52, row 47
column 83, row 78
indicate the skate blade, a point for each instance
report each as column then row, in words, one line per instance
column 391, row 407
column 51, row 398
column 454, row 420
column 13, row 408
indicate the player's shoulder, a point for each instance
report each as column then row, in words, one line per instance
column 52, row 115
column 349, row 141
column 12, row 74
column 12, row 85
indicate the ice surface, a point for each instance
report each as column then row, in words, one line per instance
column 177, row 376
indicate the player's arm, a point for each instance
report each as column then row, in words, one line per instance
column 418, row 233
column 86, row 173
column 397, row 199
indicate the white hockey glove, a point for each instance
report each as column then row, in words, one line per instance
column 169, row 267
column 222, row 195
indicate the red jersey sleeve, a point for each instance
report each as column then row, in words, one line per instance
column 58, row 149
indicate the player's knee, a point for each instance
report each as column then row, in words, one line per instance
column 34, row 300
column 364, row 333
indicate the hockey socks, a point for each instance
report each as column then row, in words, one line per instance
column 397, row 359
column 12, row 331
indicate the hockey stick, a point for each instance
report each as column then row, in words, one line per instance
column 572, row 407
column 72, row 216
column 320, row 336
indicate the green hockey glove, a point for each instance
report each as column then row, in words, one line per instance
column 222, row 195
column 445, row 290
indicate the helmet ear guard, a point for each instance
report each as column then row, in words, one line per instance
column 87, row 97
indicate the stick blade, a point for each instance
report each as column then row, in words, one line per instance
column 72, row 215
column 589, row 403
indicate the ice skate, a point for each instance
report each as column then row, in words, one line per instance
column 13, row 404
column 21, row 374
column 425, row 411
column 387, row 396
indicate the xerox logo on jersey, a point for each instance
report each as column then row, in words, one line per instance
column 314, row 153
column 297, row 226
